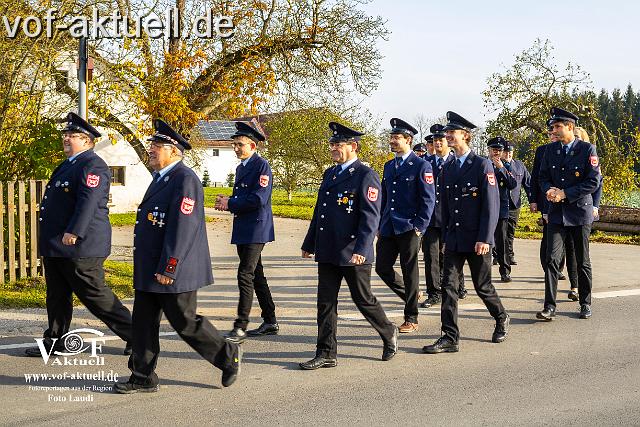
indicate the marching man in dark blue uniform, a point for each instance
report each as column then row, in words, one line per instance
column 408, row 199
column 432, row 239
column 506, row 182
column 569, row 175
column 470, row 207
column 250, row 204
column 343, row 227
column 170, row 263
column 523, row 181
column 421, row 150
column 75, row 238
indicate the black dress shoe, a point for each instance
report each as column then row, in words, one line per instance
column 585, row 311
column 561, row 276
column 231, row 372
column 35, row 351
column 513, row 262
column 430, row 301
column 573, row 295
column 131, row 387
column 128, row 349
column 501, row 330
column 495, row 262
column 505, row 278
column 462, row 293
column 264, row 329
column 236, row 335
column 444, row 344
column 319, row 362
column 391, row 347
column 547, row 314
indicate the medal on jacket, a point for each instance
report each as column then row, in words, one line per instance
column 151, row 216
column 350, row 209
column 161, row 222
column 339, row 199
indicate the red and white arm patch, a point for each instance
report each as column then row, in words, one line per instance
column 171, row 265
column 372, row 194
column 264, row 180
column 428, row 177
column 491, row 178
column 186, row 207
column 93, row 180
column 594, row 161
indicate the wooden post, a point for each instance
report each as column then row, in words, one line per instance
column 22, row 232
column 2, row 265
column 11, row 236
column 33, row 230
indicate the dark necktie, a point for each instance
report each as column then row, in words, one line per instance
column 398, row 162
column 338, row 169
column 438, row 162
column 459, row 164
column 155, row 175
column 566, row 149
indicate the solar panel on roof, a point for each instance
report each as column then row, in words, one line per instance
column 216, row 130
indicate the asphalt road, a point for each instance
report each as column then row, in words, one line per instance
column 569, row 371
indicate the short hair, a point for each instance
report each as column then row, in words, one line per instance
column 581, row 133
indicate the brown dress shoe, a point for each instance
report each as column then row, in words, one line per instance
column 408, row 327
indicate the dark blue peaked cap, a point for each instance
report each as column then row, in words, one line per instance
column 429, row 138
column 400, row 126
column 437, row 130
column 497, row 142
column 456, row 121
column 560, row 115
column 166, row 135
column 420, row 147
column 510, row 146
column 243, row 129
column 78, row 124
column 343, row 133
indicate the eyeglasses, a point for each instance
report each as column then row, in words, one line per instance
column 238, row 144
column 157, row 146
column 338, row 144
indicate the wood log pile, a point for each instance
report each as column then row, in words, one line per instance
column 618, row 219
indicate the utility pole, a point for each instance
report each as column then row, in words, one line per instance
column 83, row 97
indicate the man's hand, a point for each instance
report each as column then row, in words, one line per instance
column 555, row 195
column 69, row 239
column 482, row 248
column 533, row 207
column 444, row 245
column 595, row 212
column 545, row 218
column 357, row 259
column 164, row 280
column 306, row 254
column 222, row 203
column 497, row 162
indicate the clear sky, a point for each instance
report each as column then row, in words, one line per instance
column 440, row 53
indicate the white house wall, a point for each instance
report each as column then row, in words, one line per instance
column 219, row 167
column 124, row 198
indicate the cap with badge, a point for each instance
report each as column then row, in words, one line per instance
column 437, row 130
column 510, row 146
column 166, row 135
column 420, row 147
column 75, row 123
column 341, row 133
column 455, row 121
column 560, row 115
column 399, row 126
column 244, row 129
column 498, row 142
column 429, row 138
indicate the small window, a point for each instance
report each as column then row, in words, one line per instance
column 117, row 175
column 215, row 152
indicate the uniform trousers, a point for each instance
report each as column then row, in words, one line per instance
column 568, row 257
column 180, row 311
column 85, row 278
column 251, row 278
column 480, row 266
column 500, row 237
column 557, row 236
column 434, row 261
column 512, row 223
column 358, row 278
column 406, row 286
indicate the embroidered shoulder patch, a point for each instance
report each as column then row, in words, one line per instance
column 428, row 177
column 93, row 180
column 171, row 265
column 264, row 180
column 186, row 207
column 372, row 194
column 491, row 178
column 594, row 161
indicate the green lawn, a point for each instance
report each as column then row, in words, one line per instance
column 32, row 292
column 123, row 219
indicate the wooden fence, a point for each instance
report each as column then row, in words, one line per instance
column 19, row 206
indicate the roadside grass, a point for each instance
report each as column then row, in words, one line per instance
column 128, row 219
column 32, row 292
